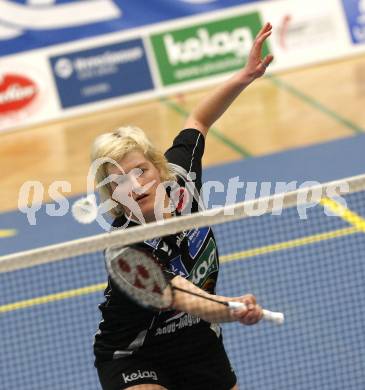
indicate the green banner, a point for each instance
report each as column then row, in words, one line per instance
column 204, row 50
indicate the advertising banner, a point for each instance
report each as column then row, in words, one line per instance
column 61, row 58
column 355, row 15
column 31, row 24
column 306, row 32
column 26, row 91
column 101, row 73
column 207, row 49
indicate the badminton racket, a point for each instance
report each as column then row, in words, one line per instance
column 138, row 275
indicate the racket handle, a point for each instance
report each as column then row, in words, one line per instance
column 236, row 305
column 275, row 317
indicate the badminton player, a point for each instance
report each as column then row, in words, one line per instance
column 181, row 348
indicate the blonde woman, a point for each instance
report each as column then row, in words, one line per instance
column 182, row 348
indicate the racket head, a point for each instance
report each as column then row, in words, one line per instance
column 138, row 275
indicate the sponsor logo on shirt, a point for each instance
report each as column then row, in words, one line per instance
column 185, row 320
column 153, row 243
column 196, row 239
column 139, row 375
column 180, row 237
column 178, row 268
column 205, row 265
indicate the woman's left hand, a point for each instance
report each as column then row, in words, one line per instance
column 256, row 65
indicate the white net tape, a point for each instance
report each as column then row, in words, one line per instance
column 271, row 204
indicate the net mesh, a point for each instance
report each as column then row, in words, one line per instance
column 310, row 268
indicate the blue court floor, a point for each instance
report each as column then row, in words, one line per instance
column 312, row 269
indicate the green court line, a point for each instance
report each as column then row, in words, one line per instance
column 214, row 131
column 302, row 241
column 314, row 103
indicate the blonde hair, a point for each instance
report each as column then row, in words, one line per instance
column 115, row 146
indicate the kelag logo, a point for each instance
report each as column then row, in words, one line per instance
column 355, row 12
column 206, row 49
column 101, row 73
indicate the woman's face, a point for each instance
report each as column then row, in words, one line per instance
column 134, row 185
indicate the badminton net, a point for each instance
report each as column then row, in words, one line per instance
column 301, row 253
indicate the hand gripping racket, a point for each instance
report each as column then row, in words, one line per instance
column 138, row 275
